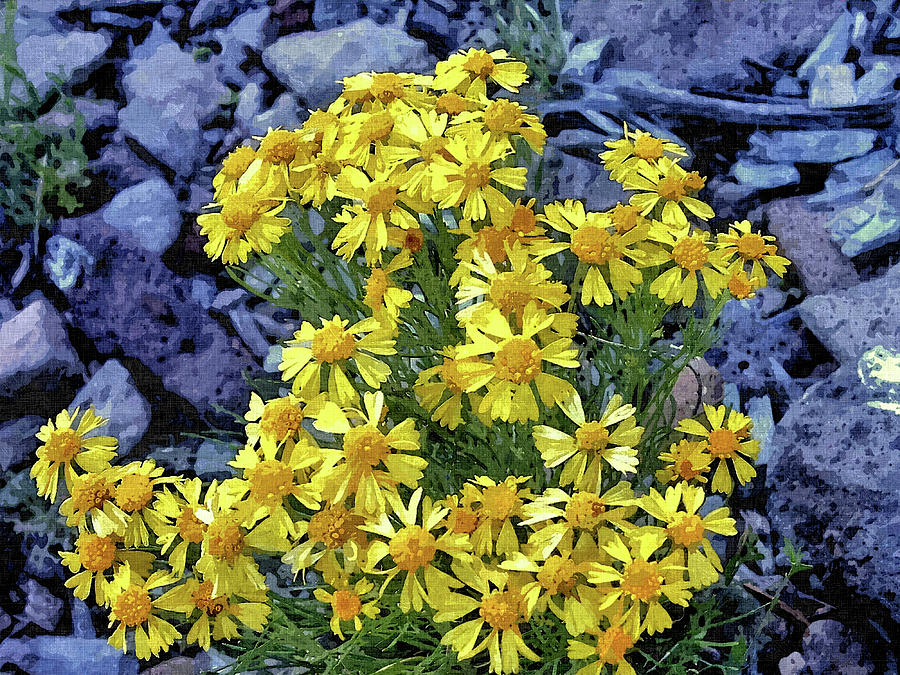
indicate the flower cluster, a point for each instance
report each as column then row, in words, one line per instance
column 330, row 477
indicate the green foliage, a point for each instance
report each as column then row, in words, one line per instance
column 41, row 163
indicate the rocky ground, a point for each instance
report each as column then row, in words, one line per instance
column 789, row 103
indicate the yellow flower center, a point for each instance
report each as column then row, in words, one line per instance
column 479, row 63
column 740, row 286
column 475, row 175
column 134, row 492
column 592, row 437
column 686, row 469
column 463, row 520
column 332, row 343
column 751, row 246
column 279, row 146
column 238, row 162
column 612, row 645
column 510, row 292
column 693, row 181
column 190, row 527
column 502, row 610
column 491, row 240
column 346, row 605
column 670, row 188
column 386, row 87
column 96, row 553
column 413, row 240
column 499, row 502
column 333, row 526
column 376, row 128
column 239, row 212
column 518, row 360
column 625, row 217
column 204, row 601
column 649, row 148
column 281, row 419
column 642, row 580
column 450, row 104
column 62, row 446
column 502, row 116
column 270, row 482
column 133, row 606
column 523, row 220
column 376, row 287
column 366, row 446
column 412, row 548
column 558, row 575
column 456, row 382
column 585, row 511
column 380, row 198
column 686, row 529
column 594, row 245
column 327, row 167
column 226, row 541
column 723, row 443
column 90, row 492
column 690, row 253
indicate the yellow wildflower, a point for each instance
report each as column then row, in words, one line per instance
column 347, row 605
column 91, row 501
column 495, row 504
column 692, row 256
column 247, row 222
column 666, row 181
column 685, row 461
column 636, row 150
column 468, row 71
column 234, row 167
column 94, row 558
column 133, row 608
column 502, row 118
column 752, row 248
column 454, row 377
column 134, row 493
column 382, row 296
column 185, row 527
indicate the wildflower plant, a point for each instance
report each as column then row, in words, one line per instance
column 469, row 459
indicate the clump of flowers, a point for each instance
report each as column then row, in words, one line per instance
column 432, row 449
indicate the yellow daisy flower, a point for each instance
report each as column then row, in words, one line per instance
column 692, row 256
column 234, row 166
column 517, row 363
column 313, row 350
column 280, row 419
column 740, row 285
column 666, row 181
column 94, row 558
column 642, row 583
column 133, row 608
column 612, row 438
column 195, row 599
column 381, row 295
column 688, row 531
column 185, row 527
column 426, row 133
column 62, row 445
column 134, row 492
column 330, row 529
column 413, row 549
column 468, row 71
column 502, row 118
column 90, row 501
column 454, row 377
column 636, row 150
column 347, row 605
column 728, row 440
column 247, row 222
column 365, row 89
column 495, row 504
column 609, row 649
column 313, row 177
column 685, row 461
column 467, row 181
column 754, row 249
column 364, row 135
column 278, row 149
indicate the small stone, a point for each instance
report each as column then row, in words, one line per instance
column 879, row 371
column 203, row 290
column 284, row 113
column 833, row 87
column 829, row 647
column 148, row 213
column 113, row 394
column 792, row 664
column 248, row 33
column 66, row 261
column 817, row 147
column 764, row 176
column 787, row 86
column 82, row 625
column 18, row 442
column 41, row 607
column 831, row 49
column 853, row 177
column 64, row 55
column 877, row 82
column 869, row 223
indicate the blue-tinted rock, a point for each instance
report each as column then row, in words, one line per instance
column 17, row 441
column 60, row 54
column 203, row 290
column 787, row 86
column 586, row 60
column 120, row 167
column 246, row 34
column 113, row 394
column 100, row 17
column 65, row 261
column 42, row 608
column 249, row 103
column 57, row 655
column 311, row 63
column 332, row 13
column 760, row 176
column 877, row 82
column 817, row 147
column 206, row 11
column 850, row 178
column 212, row 460
column 831, row 49
column 82, row 626
column 147, row 213
column 34, row 343
column 870, row 223
column 433, row 20
column 833, row 486
column 833, row 87
column 284, row 113
column 170, row 95
column 852, row 321
column 879, row 371
column 831, row 647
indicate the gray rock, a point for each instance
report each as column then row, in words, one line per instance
column 82, row 626
column 34, row 343
column 101, row 17
column 212, row 460
column 206, row 11
column 586, row 60
column 792, row 664
column 65, row 261
column 833, row 87
column 203, row 290
column 17, row 440
column 247, row 33
column 311, row 63
column 762, row 176
column 802, row 237
column 95, row 114
column 170, row 95
column 329, row 14
column 787, row 86
column 832, row 49
column 869, row 223
column 817, row 147
column 112, row 392
column 877, row 82
column 433, row 20
column 58, row 655
column 42, row 608
column 148, row 213
column 284, row 113
column 851, row 178
column 852, row 321
column 249, row 103
column 120, row 166
column 64, row 55
column 567, row 176
column 760, row 409
column 829, row 647
column 833, row 488
column 879, row 371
